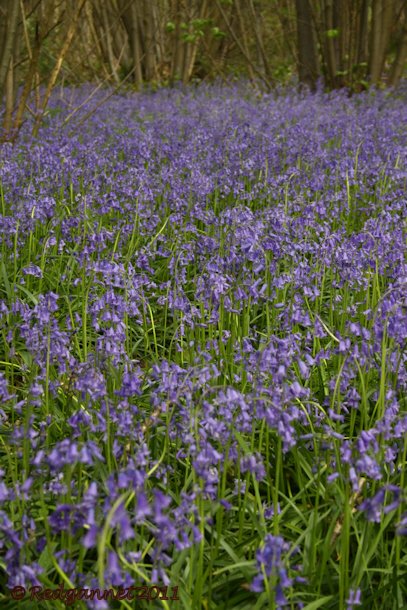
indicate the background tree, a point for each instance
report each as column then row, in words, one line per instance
column 346, row 43
column 358, row 42
column 308, row 64
column 9, row 39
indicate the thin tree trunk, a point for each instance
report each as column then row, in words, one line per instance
column 218, row 48
column 375, row 59
column 387, row 23
column 3, row 25
column 308, row 65
column 95, row 39
column 179, row 49
column 13, row 9
column 9, row 94
column 55, row 72
column 240, row 46
column 331, row 54
column 157, row 28
column 109, row 48
column 245, row 45
column 128, row 12
column 149, row 50
column 136, row 46
column 342, row 18
column 363, row 37
column 259, row 40
column 31, row 74
column 401, row 56
column 190, row 14
column 116, row 29
column 192, row 48
column 289, row 32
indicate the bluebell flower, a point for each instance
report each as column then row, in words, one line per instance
column 354, row 599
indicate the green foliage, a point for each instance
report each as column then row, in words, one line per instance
column 217, row 32
column 332, row 33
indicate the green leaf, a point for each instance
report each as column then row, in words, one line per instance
column 6, row 282
column 217, row 32
column 319, row 603
column 28, row 293
column 189, row 37
column 45, row 560
column 170, row 26
column 200, row 23
column 332, row 33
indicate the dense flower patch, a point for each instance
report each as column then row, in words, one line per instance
column 203, row 364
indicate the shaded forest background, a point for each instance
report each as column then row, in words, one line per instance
column 151, row 43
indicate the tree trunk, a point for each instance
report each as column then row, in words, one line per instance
column 342, row 18
column 179, row 47
column 128, row 10
column 261, row 53
column 61, row 56
column 252, row 68
column 32, row 72
column 308, row 65
column 382, row 22
column 363, row 37
column 149, row 49
column 375, row 42
column 401, row 55
column 10, row 11
column 96, row 40
column 9, row 93
column 109, row 45
column 243, row 37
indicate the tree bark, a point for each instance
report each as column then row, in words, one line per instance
column 382, row 22
column 262, row 56
column 399, row 63
column 375, row 42
column 250, row 65
column 128, row 10
column 363, row 37
column 47, row 19
column 10, row 11
column 95, row 39
column 9, row 94
column 243, row 36
column 61, row 56
column 308, row 65
column 178, row 47
column 149, row 49
column 344, row 43
column 109, row 44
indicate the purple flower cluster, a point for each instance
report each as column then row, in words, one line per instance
column 272, row 564
column 203, row 296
